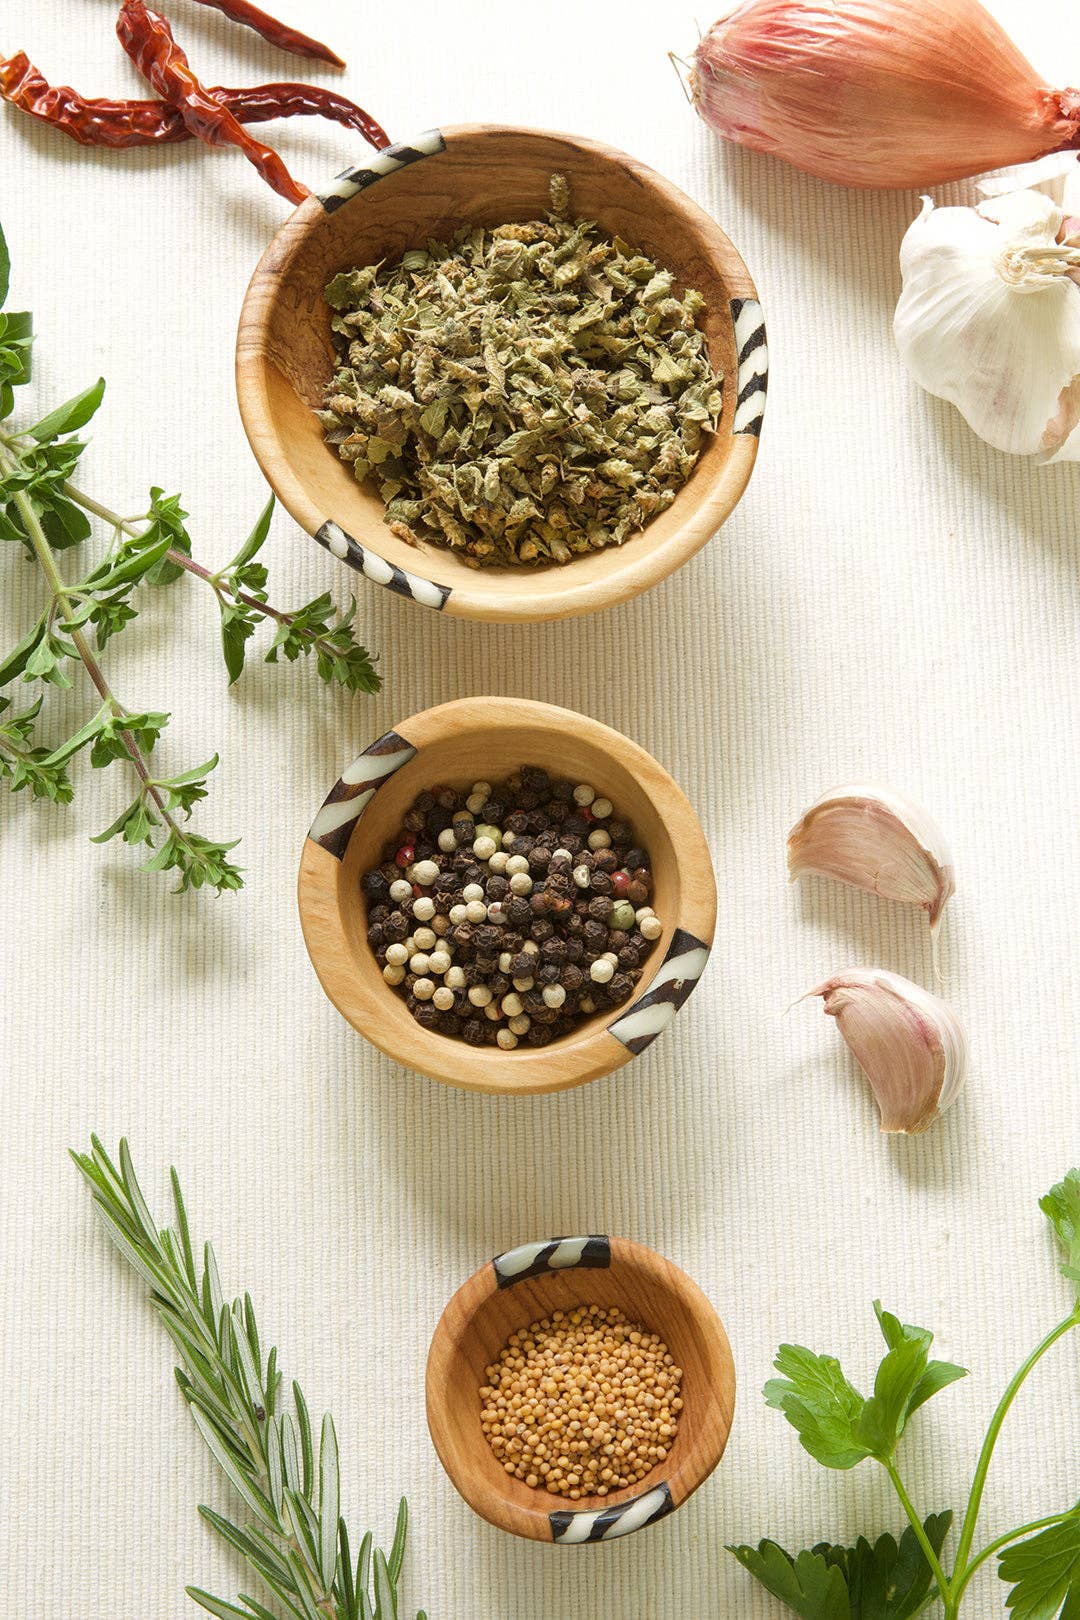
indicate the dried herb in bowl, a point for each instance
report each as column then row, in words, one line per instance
column 523, row 394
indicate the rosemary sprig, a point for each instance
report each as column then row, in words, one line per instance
column 44, row 511
column 295, row 1538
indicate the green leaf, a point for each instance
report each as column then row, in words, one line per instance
column 17, row 340
column 136, row 557
column 255, row 539
column 329, row 1500
column 218, row 1606
column 5, row 267
column 135, row 824
column 1044, row 1572
column 905, row 1379
column 84, row 735
column 17, row 659
column 1061, row 1206
column 884, row 1581
column 74, row 414
column 385, row 1596
column 65, row 524
column 237, row 627
column 166, row 516
column 808, row 1584
column 820, row 1405
column 397, row 1550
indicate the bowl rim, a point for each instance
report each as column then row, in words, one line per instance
column 496, row 599
column 672, row 971
column 582, row 1526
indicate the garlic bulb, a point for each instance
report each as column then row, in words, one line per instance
column 989, row 319
column 877, row 840
column 910, row 1044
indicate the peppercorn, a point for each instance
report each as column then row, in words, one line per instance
column 637, row 893
column 601, row 883
column 427, row 1016
column 376, row 935
column 375, row 886
column 474, row 1031
column 600, row 907
column 395, row 927
column 541, row 929
column 537, row 1035
column 620, row 987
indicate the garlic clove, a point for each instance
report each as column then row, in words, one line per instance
column 989, row 319
column 910, row 1044
column 876, row 840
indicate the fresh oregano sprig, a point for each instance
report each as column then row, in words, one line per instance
column 41, row 509
column 293, row 1537
column 840, row 1428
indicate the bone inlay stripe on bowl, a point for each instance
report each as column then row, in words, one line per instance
column 372, row 566
column 752, row 377
column 571, row 1529
column 355, row 788
column 558, row 1254
column 681, row 969
column 350, row 182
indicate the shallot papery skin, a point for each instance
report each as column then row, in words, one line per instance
column 886, row 93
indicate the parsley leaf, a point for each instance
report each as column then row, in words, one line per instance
column 1061, row 1206
column 1045, row 1572
column 887, row 1580
column 905, row 1380
column 820, row 1405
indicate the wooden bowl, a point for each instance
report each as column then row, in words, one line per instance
column 492, row 175
column 527, row 1284
column 487, row 738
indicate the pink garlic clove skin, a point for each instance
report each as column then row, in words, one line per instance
column 876, row 840
column 890, row 93
column 910, row 1044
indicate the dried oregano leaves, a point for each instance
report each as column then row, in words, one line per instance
column 522, row 394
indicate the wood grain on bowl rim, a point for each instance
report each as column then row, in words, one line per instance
column 284, row 355
column 364, row 808
column 542, row 1277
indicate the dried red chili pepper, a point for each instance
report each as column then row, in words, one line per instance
column 100, row 121
column 278, row 33
column 148, row 40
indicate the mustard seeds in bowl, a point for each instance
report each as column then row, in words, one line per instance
column 510, row 912
column 582, row 1404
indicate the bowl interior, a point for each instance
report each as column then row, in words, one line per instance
column 490, row 176
column 648, row 1290
column 485, row 749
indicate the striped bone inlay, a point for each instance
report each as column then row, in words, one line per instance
column 558, row 1254
column 572, row 1529
column 752, row 377
column 350, row 182
column 372, row 566
column 354, row 790
column 681, row 969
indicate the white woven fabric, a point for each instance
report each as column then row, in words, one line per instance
column 892, row 601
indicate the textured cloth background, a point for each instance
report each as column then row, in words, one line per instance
column 892, row 600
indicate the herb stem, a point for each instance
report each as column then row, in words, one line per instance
column 47, row 561
column 1004, row 1540
column 978, row 1484
column 917, row 1526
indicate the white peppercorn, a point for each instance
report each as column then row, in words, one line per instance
column 511, row 1004
column 483, row 848
column 516, row 864
column 423, row 989
column 601, row 808
column 396, row 955
column 424, row 908
column 400, row 890
column 438, row 962
column 504, row 962
column 472, row 891
column 584, row 794
column 458, row 915
column 424, row 938
column 525, row 983
column 443, row 998
column 419, row 963
column 582, row 876
column 476, row 911
column 447, row 841
column 499, row 861
column 392, row 974
column 554, row 995
column 455, row 978
column 651, row 927
column 506, row 1039
column 599, row 839
column 480, row 995
column 521, row 883
column 492, row 1012
column 602, row 971
column 425, row 873
column 520, row 1024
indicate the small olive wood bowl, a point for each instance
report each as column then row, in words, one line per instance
column 491, row 175
column 526, row 1285
column 457, row 744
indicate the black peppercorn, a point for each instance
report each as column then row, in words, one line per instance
column 573, row 843
column 535, row 779
column 636, row 857
column 572, row 978
column 537, row 1035
column 518, row 912
column 617, row 938
column 375, row 886
column 548, row 973
column 474, row 1032
column 600, row 907
column 515, row 822
column 414, row 820
column 492, row 813
column 376, row 935
column 606, row 860
column 377, row 914
column 619, row 987
column 541, row 930
column 521, row 965
column 574, row 948
column 487, row 939
column 426, row 1015
column 594, row 934
column 496, row 887
column 395, row 928
column 600, row 883
column 553, row 950
column 539, row 859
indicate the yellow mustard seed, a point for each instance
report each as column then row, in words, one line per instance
column 581, row 1404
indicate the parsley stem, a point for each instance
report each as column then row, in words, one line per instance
column 917, row 1525
column 978, row 1484
column 1004, row 1540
